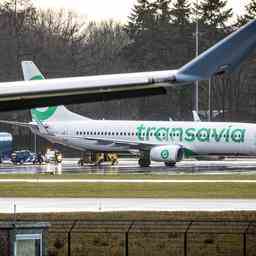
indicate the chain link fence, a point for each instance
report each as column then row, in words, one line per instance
column 183, row 238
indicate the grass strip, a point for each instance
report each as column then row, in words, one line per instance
column 195, row 216
column 113, row 190
column 182, row 176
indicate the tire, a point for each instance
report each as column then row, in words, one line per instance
column 170, row 164
column 143, row 164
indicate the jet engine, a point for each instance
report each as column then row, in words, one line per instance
column 172, row 153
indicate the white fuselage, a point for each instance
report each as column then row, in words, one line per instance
column 197, row 137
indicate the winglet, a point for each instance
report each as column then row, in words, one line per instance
column 196, row 116
column 223, row 57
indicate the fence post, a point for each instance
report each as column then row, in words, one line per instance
column 126, row 240
column 69, row 237
column 69, row 241
column 245, row 238
column 185, row 239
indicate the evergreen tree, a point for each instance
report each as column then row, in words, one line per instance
column 142, row 18
column 163, row 13
column 181, row 12
column 250, row 13
column 149, row 31
column 213, row 12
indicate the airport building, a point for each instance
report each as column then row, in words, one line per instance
column 23, row 238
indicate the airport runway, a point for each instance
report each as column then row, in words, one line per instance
column 45, row 205
column 131, row 166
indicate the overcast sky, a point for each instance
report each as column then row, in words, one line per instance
column 114, row 9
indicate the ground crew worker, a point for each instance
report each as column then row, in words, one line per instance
column 100, row 159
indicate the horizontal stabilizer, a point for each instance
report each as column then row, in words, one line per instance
column 223, row 57
column 28, row 125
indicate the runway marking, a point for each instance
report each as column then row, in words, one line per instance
column 119, row 181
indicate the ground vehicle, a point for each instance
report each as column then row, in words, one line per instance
column 22, row 156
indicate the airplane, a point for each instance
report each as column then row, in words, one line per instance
column 167, row 142
column 220, row 59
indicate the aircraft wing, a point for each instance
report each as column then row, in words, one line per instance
column 118, row 142
column 51, row 92
column 222, row 58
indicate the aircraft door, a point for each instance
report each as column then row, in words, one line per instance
column 252, row 143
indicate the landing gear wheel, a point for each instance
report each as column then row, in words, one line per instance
column 144, row 163
column 144, row 160
column 170, row 164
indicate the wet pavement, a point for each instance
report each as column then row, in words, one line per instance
column 131, row 166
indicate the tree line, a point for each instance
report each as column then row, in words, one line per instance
column 159, row 34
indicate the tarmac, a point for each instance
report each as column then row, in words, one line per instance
column 126, row 166
column 130, row 165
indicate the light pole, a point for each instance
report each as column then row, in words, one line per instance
column 209, row 99
column 196, row 92
column 35, row 143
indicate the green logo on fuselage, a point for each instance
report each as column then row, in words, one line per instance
column 189, row 135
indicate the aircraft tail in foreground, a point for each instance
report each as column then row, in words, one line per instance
column 222, row 58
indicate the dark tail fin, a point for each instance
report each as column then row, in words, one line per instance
column 223, row 57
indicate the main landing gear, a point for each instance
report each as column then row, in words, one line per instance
column 170, row 164
column 144, row 160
